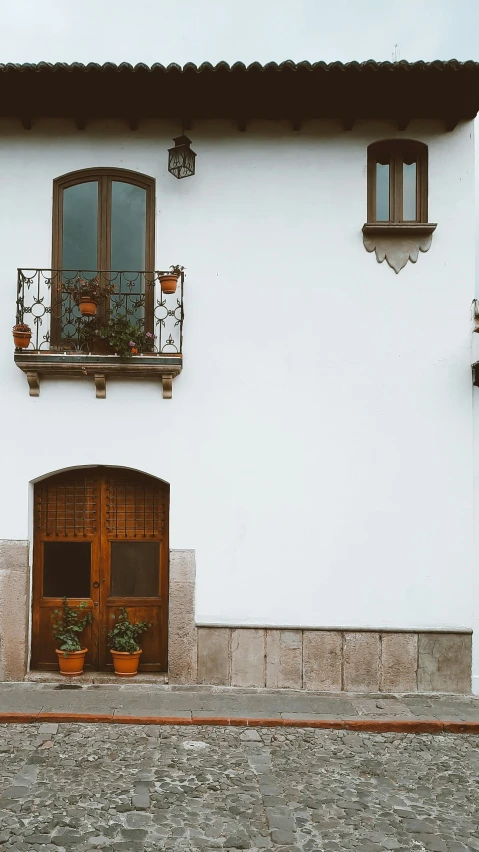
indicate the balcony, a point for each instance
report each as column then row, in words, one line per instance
column 66, row 343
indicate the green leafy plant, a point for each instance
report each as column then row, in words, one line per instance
column 124, row 636
column 68, row 625
column 92, row 289
column 123, row 337
column 176, row 269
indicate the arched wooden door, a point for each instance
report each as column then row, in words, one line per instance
column 101, row 535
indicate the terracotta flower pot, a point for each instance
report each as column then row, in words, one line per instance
column 22, row 339
column 87, row 306
column 125, row 664
column 73, row 663
column 168, row 283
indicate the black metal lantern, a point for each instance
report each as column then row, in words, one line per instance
column 181, row 159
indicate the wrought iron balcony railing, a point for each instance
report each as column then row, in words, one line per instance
column 135, row 332
column 46, row 303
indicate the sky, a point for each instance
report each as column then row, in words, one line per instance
column 247, row 30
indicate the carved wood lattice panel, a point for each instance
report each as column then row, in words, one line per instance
column 134, row 509
column 67, row 508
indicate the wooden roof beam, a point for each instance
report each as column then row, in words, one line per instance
column 451, row 124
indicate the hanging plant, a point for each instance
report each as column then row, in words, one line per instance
column 87, row 294
column 169, row 280
column 22, row 334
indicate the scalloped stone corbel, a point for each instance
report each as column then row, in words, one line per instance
column 398, row 242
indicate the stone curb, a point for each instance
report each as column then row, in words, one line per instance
column 403, row 726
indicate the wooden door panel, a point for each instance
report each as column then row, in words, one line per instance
column 135, row 562
column 66, row 512
column 101, row 535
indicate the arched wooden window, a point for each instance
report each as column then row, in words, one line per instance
column 397, row 181
column 103, row 220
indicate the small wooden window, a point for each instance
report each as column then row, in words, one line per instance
column 397, row 182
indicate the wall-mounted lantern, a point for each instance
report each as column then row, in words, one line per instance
column 181, row 159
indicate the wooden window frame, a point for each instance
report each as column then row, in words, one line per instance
column 105, row 177
column 395, row 150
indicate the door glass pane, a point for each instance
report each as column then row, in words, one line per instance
column 128, row 247
column 66, row 569
column 80, row 223
column 128, row 226
column 409, row 191
column 135, row 569
column 382, row 192
column 79, row 247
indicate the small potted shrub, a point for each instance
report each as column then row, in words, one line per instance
column 119, row 336
column 169, row 280
column 123, row 644
column 68, row 624
column 87, row 294
column 22, row 334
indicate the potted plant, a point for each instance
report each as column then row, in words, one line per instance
column 87, row 294
column 118, row 336
column 22, row 334
column 169, row 280
column 67, row 627
column 123, row 644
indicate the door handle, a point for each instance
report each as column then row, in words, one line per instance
column 95, row 603
column 96, row 584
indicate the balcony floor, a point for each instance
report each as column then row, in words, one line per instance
column 37, row 363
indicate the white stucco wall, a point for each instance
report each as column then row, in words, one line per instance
column 319, row 440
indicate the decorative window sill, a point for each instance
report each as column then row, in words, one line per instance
column 36, row 364
column 398, row 242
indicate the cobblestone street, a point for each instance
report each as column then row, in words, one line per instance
column 135, row 787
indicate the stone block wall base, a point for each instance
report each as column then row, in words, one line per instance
column 13, row 609
column 335, row 660
column 275, row 658
column 182, row 632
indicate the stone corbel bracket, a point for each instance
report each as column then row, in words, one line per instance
column 398, row 242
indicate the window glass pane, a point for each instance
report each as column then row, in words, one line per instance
column 128, row 226
column 382, row 192
column 409, row 191
column 135, row 569
column 66, row 569
column 80, row 222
